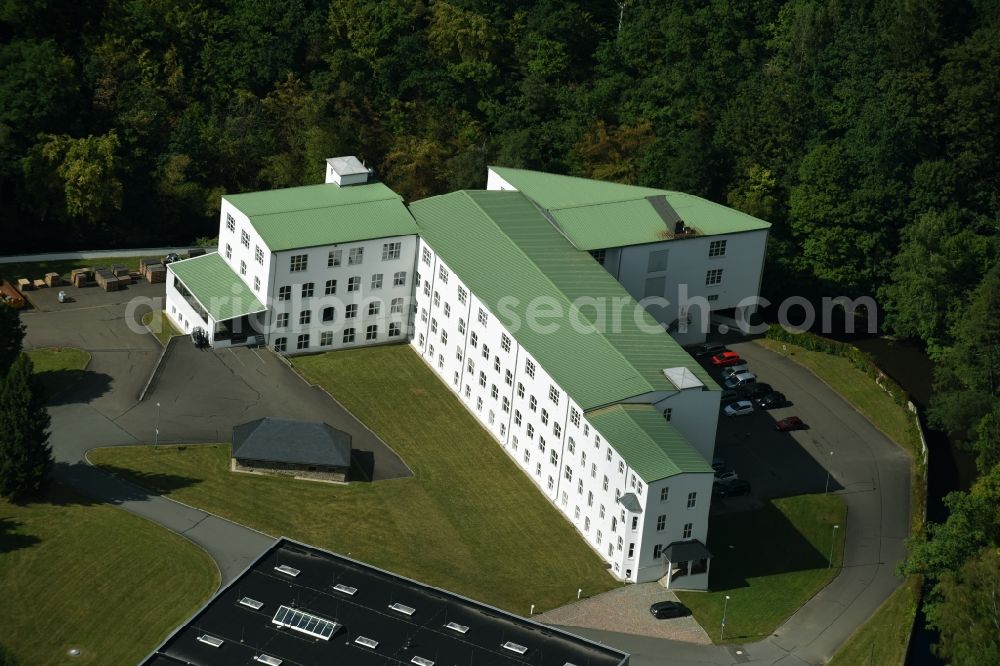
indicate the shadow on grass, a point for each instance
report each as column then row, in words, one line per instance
column 11, row 540
column 755, row 544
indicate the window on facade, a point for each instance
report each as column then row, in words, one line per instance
column 282, row 320
column 529, row 367
column 664, row 494
column 354, row 283
column 551, row 482
column 545, row 417
column 245, row 239
column 258, row 255
column 631, row 550
column 520, row 390
column 243, row 267
column 599, row 256
column 307, row 289
column 399, row 279
column 434, row 325
column 427, row 288
column 610, row 454
column 508, row 377
column 657, row 551
column 447, row 309
column 305, row 317
column 280, row 344
column 494, row 392
column 355, row 256
column 377, row 281
column 635, row 523
column 712, row 297
column 471, row 366
column 621, row 466
column 713, row 276
column 328, row 313
column 496, row 363
column 479, row 404
column 593, row 470
column 638, row 488
column 571, row 445
column 568, row 473
column 574, row 416
column 351, row 311
column 586, row 524
column 302, row 342
column 395, row 329
column 473, row 339
column 554, row 457
column 557, row 430
column 437, row 299
column 486, row 351
column 426, row 256
column 717, row 248
column 334, row 258
column 692, row 500
column 256, row 283
column 371, row 332
column 326, row 338
column 373, row 308
column 668, row 413
column 331, row 287
column 656, row 261
column 554, row 395
column 230, row 222
column 504, row 342
column 298, row 262
column 532, row 404
column 468, row 390
column 661, row 522
column 619, row 544
column 462, row 295
column 229, row 251
column 686, row 534
column 530, row 431
column 391, row 250
column 284, row 293
column 482, row 379
column 423, row 314
column 517, row 417
column 396, row 306
column 444, row 337
column 348, row 335
column 505, row 406
column 605, row 484
column 590, row 498
column 482, row 316
column 443, row 274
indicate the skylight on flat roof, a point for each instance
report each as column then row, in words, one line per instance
column 514, row 647
column 420, row 661
column 251, row 603
column 285, row 569
column 312, row 625
column 454, row 626
column 403, row 608
column 210, row 640
column 346, row 589
column 367, row 642
column 268, row 659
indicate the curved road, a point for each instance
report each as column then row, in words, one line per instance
column 871, row 474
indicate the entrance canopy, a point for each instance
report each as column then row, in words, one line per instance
column 686, row 551
column 216, row 287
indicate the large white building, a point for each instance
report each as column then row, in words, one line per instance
column 500, row 294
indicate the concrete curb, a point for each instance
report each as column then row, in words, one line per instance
column 156, row 368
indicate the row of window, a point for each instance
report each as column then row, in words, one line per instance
column 330, row 313
column 355, row 257
column 326, row 337
column 308, row 289
column 657, row 261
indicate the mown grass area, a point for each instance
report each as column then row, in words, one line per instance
column 89, row 576
column 58, row 368
column 468, row 520
column 889, row 628
column 38, row 269
column 884, row 638
column 160, row 325
column 770, row 562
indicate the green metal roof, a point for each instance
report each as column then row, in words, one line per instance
column 507, row 253
column 214, row 284
column 596, row 214
column 325, row 214
column 652, row 447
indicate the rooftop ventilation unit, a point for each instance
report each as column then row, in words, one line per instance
column 311, row 625
column 210, row 640
column 251, row 603
column 346, row 589
column 403, row 608
column 287, row 570
column 347, row 170
column 367, row 642
column 460, row 628
column 514, row 647
column 420, row 661
column 268, row 659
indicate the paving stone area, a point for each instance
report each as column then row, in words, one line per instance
column 626, row 610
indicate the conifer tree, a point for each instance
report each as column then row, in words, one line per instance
column 25, row 454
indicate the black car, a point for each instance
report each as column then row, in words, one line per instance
column 662, row 610
column 771, row 400
column 171, row 258
column 709, row 349
column 199, row 337
column 753, row 391
column 731, row 488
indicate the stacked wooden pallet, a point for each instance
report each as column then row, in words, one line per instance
column 81, row 276
column 52, row 279
column 106, row 279
column 155, row 273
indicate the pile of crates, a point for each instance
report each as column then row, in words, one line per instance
column 106, row 279
column 79, row 277
column 153, row 270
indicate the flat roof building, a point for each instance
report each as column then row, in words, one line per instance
column 302, row 605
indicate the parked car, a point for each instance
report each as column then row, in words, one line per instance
column 728, row 395
column 731, row 488
column 199, row 337
column 755, row 390
column 790, row 423
column 741, row 379
column 739, row 408
column 726, row 474
column 662, row 610
column 771, row 400
column 171, row 258
column 709, row 349
column 726, row 358
column 735, row 369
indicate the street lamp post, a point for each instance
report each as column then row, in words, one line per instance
column 833, row 540
column 725, row 609
column 828, row 474
column 156, row 427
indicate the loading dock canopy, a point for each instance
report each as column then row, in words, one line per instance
column 686, row 551
column 216, row 287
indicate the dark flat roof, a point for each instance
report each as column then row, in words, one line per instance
column 247, row 632
column 290, row 441
column 682, row 551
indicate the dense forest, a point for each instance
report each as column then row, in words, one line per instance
column 867, row 132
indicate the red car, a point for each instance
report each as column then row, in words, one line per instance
column 790, row 423
column 726, row 358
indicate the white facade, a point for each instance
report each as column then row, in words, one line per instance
column 549, row 437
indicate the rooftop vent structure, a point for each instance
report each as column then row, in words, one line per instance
column 348, row 170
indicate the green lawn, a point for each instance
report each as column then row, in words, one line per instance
column 58, row 368
column 159, row 323
column 93, row 577
column 883, row 639
column 469, row 520
column 38, row 269
column 770, row 562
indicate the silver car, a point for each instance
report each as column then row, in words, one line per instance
column 742, row 379
column 735, row 370
column 740, row 408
